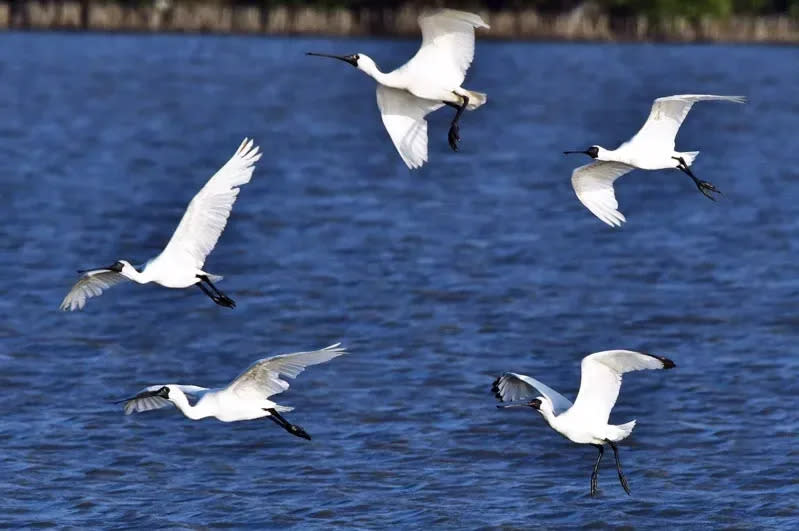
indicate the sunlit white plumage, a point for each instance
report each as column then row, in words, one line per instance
column 652, row 148
column 431, row 79
column 245, row 398
column 586, row 420
column 180, row 263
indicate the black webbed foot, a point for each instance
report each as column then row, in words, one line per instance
column 224, row 300
column 706, row 188
column 298, row 431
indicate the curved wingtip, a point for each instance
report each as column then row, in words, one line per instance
column 495, row 389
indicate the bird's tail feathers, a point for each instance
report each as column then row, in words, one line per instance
column 476, row 99
column 214, row 278
column 621, row 431
column 689, row 156
column 282, row 409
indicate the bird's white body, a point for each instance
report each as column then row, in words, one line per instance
column 221, row 404
column 180, row 264
column 431, row 78
column 652, row 148
column 586, row 420
column 245, row 398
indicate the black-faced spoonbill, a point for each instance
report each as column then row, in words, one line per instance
column 585, row 421
column 430, row 80
column 180, row 263
column 245, row 398
column 652, row 148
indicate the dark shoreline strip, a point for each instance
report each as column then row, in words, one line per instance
column 192, row 16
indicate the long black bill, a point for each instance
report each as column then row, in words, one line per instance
column 351, row 59
column 117, row 267
column 585, row 152
column 535, row 404
column 145, row 394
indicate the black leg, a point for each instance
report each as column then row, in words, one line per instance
column 293, row 429
column 453, row 135
column 622, row 479
column 217, row 296
column 595, row 474
column 704, row 186
column 208, row 292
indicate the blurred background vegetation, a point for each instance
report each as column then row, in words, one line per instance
column 650, row 8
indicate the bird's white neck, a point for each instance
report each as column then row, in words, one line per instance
column 549, row 415
column 389, row 80
column 180, row 400
column 130, row 272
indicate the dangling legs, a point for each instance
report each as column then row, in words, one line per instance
column 622, row 479
column 293, row 429
column 596, row 468
column 453, row 135
column 217, row 296
column 704, row 186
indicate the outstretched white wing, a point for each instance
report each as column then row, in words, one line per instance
column 511, row 386
column 447, row 46
column 91, row 284
column 403, row 115
column 262, row 378
column 593, row 184
column 207, row 214
column 667, row 115
column 148, row 399
column 601, row 380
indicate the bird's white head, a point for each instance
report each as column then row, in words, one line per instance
column 543, row 405
column 126, row 268
column 595, row 152
column 172, row 393
column 361, row 61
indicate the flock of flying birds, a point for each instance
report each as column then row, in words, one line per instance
column 430, row 80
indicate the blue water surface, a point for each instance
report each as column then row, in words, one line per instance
column 436, row 280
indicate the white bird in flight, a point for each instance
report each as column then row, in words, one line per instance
column 430, row 80
column 652, row 148
column 585, row 421
column 180, row 263
column 245, row 398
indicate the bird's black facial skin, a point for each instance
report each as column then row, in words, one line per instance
column 351, row 59
column 535, row 404
column 592, row 152
column 164, row 392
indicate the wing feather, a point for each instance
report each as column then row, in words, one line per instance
column 668, row 114
column 593, row 184
column 208, row 212
column 601, row 377
column 91, row 284
column 447, row 45
column 262, row 379
column 403, row 116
